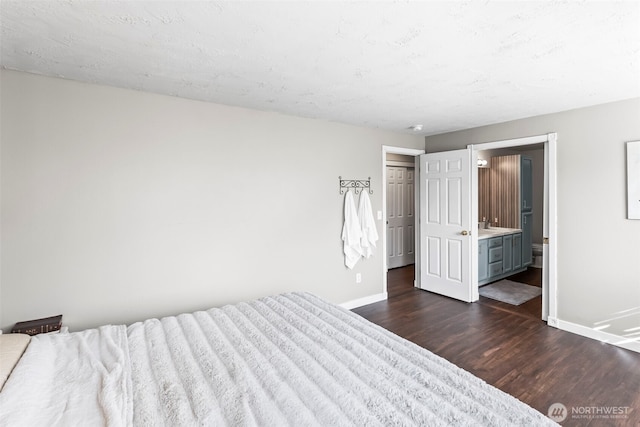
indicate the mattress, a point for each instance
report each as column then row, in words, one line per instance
column 290, row 359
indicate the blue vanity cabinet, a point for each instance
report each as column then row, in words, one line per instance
column 507, row 253
column 490, row 254
column 499, row 257
column 517, row 251
column 495, row 257
column 526, row 184
column 527, row 254
column 526, row 206
column 483, row 260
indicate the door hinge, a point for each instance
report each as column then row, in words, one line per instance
column 545, row 240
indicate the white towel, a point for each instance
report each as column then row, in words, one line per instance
column 367, row 225
column 351, row 232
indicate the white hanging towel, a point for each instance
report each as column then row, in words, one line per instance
column 367, row 225
column 351, row 232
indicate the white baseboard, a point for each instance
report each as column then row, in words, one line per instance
column 617, row 340
column 349, row 305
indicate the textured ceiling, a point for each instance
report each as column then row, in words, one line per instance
column 388, row 65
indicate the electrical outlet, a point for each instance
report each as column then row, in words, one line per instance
column 358, row 277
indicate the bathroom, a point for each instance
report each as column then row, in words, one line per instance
column 510, row 220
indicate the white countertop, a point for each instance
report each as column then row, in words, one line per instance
column 487, row 233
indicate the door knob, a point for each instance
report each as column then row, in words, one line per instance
column 464, row 232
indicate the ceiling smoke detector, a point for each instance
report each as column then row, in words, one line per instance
column 416, row 128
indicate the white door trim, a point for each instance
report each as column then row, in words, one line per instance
column 399, row 163
column 409, row 152
column 550, row 222
column 506, row 143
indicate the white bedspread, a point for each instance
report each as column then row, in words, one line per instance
column 70, row 379
column 291, row 359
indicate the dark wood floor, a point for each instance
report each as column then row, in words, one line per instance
column 512, row 349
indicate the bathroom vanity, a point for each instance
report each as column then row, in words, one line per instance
column 500, row 253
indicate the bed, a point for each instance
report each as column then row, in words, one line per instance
column 291, row 359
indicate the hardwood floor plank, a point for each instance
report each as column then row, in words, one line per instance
column 512, row 349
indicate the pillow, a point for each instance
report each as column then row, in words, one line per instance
column 11, row 348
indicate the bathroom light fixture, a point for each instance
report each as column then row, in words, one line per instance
column 482, row 162
column 416, row 128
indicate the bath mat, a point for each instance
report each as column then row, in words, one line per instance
column 513, row 293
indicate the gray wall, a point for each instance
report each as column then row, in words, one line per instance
column 119, row 205
column 598, row 268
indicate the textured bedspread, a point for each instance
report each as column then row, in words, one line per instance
column 296, row 360
column 79, row 379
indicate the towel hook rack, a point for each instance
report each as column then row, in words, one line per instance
column 357, row 184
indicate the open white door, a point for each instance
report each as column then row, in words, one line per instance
column 446, row 219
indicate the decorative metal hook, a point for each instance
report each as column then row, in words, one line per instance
column 356, row 184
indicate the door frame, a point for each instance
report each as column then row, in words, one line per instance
column 416, row 207
column 550, row 217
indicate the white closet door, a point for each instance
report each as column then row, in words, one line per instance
column 400, row 217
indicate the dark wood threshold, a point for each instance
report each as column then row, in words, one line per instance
column 511, row 348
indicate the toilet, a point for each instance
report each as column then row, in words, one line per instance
column 537, row 255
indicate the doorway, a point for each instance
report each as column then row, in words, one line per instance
column 399, row 157
column 400, row 219
column 511, row 198
column 549, row 227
